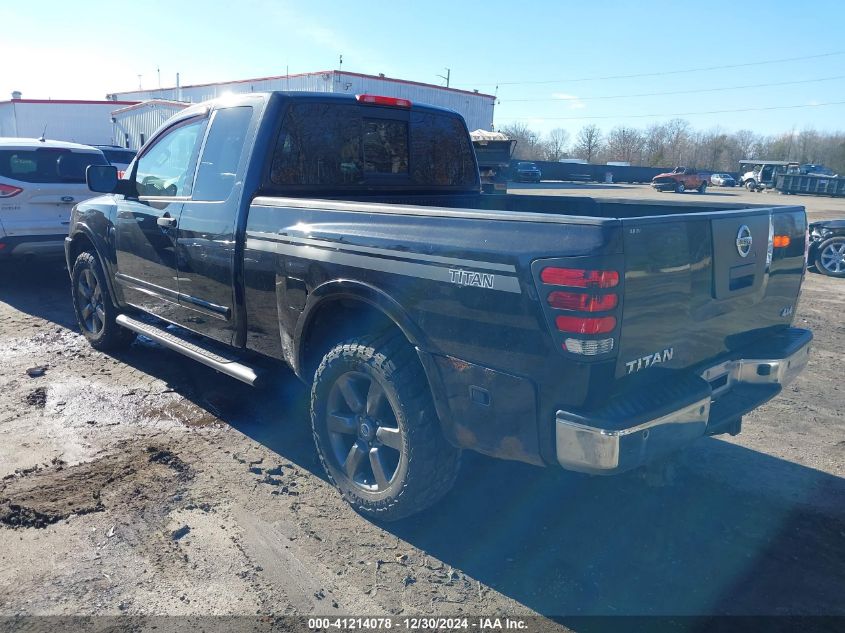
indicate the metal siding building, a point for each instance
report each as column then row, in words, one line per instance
column 87, row 122
column 475, row 107
column 134, row 124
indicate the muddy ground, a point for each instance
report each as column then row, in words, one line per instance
column 144, row 483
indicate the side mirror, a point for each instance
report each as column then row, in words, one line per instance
column 103, row 179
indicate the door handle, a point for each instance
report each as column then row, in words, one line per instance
column 166, row 222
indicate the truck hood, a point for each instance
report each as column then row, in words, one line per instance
column 666, row 175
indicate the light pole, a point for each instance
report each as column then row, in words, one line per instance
column 446, row 76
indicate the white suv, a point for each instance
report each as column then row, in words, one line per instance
column 40, row 181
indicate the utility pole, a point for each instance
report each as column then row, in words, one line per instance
column 139, row 82
column 340, row 67
column 158, row 71
column 446, row 76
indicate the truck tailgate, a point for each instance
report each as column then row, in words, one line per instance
column 700, row 285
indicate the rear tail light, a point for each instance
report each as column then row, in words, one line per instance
column 7, row 191
column 582, row 302
column 585, row 325
column 575, row 299
column 579, row 278
column 385, row 101
column 588, row 348
column 781, row 241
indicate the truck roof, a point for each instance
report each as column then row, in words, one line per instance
column 236, row 99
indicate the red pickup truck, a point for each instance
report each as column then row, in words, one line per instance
column 679, row 180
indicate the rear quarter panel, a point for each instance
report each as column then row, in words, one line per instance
column 463, row 284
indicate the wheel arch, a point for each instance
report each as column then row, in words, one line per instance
column 340, row 308
column 82, row 239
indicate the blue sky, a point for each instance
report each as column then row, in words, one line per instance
column 545, row 56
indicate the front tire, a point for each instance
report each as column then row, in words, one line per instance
column 376, row 429
column 751, row 185
column 680, row 188
column 830, row 257
column 92, row 303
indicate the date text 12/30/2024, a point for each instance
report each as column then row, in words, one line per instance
column 417, row 624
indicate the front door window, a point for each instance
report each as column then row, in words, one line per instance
column 167, row 168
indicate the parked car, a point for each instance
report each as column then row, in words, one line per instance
column 827, row 247
column 527, row 172
column 813, row 169
column 348, row 238
column 722, row 180
column 680, row 179
column 40, row 181
column 118, row 156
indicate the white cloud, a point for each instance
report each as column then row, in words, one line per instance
column 574, row 102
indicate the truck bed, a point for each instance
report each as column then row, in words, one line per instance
column 578, row 206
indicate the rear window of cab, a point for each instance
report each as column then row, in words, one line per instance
column 349, row 146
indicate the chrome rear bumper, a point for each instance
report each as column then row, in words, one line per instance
column 592, row 446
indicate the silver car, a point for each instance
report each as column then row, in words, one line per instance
column 722, row 180
column 40, row 181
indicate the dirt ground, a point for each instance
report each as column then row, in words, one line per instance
column 146, row 484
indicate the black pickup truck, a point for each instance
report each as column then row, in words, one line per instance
column 347, row 237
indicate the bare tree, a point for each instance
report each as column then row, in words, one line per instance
column 676, row 143
column 556, row 144
column 677, row 137
column 588, row 142
column 656, row 146
column 713, row 145
column 528, row 145
column 625, row 144
column 808, row 146
column 745, row 142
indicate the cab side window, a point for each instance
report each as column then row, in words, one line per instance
column 167, row 167
column 224, row 146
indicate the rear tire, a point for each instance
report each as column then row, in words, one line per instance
column 702, row 188
column 830, row 257
column 376, row 430
column 92, row 303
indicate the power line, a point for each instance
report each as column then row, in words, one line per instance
column 669, row 114
column 676, row 92
column 662, row 72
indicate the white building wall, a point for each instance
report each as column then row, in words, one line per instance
column 134, row 126
column 476, row 108
column 316, row 82
column 79, row 122
column 8, row 126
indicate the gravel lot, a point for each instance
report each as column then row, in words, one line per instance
column 144, row 483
